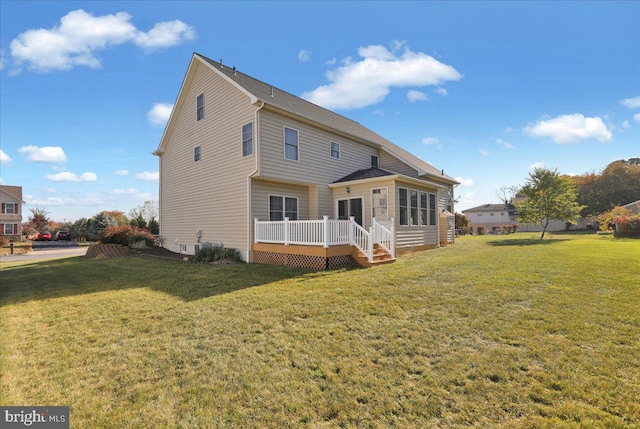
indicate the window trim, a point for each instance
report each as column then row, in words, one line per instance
column 414, row 211
column 377, row 158
column 197, row 153
column 284, row 206
column 387, row 198
column 13, row 226
column 243, row 140
column 200, row 108
column 433, row 209
column 331, row 151
column 285, row 144
column 13, row 208
column 424, row 210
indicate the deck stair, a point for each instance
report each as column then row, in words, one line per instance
column 380, row 257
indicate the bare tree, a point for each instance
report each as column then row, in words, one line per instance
column 506, row 194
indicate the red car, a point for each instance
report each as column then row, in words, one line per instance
column 43, row 236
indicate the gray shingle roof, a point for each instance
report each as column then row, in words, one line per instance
column 367, row 173
column 283, row 100
column 491, row 208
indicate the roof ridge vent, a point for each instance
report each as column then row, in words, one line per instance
column 234, row 71
column 221, row 65
column 271, row 91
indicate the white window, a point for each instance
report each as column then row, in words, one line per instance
column 10, row 208
column 200, row 107
column 196, row 154
column 247, row 139
column 432, row 209
column 290, row 144
column 424, row 208
column 281, row 207
column 403, row 204
column 183, row 248
column 8, row 229
column 335, row 150
column 414, row 208
column 374, row 161
column 379, row 204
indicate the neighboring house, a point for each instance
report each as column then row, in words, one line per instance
column 285, row 181
column 491, row 216
column 11, row 211
column 634, row 207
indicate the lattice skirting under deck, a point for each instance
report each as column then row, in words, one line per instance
column 304, row 261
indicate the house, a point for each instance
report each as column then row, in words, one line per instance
column 634, row 207
column 283, row 180
column 11, row 211
column 491, row 216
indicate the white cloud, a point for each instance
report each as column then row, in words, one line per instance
column 636, row 117
column 129, row 191
column 331, row 62
column 414, row 95
column 304, row 55
column 122, row 173
column 464, row 182
column 626, row 124
column 148, row 176
column 80, row 35
column 484, row 152
column 159, row 114
column 570, row 129
column 536, row 165
column 505, row 144
column 441, row 91
column 4, row 158
column 368, row 81
column 508, row 130
column 53, row 154
column 164, row 35
column 378, row 112
column 67, row 176
column 432, row 141
column 631, row 103
column 3, row 61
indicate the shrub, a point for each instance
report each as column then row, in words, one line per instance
column 125, row 235
column 607, row 220
column 481, row 230
column 628, row 226
column 514, row 228
column 210, row 253
column 3, row 241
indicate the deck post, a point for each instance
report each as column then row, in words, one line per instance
column 286, row 231
column 393, row 238
column 370, row 245
column 326, row 230
column 255, row 230
column 352, row 220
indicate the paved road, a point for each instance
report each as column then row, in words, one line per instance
column 48, row 250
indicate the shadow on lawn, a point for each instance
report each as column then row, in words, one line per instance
column 526, row 242
column 78, row 276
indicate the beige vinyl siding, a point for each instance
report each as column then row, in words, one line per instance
column 209, row 195
column 390, row 163
column 262, row 189
column 314, row 165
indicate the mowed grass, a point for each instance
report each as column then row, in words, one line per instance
column 496, row 331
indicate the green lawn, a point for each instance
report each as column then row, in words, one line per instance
column 496, row 331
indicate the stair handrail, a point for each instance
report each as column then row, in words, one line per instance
column 361, row 239
column 384, row 237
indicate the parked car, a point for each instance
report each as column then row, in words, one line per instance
column 43, row 236
column 62, row 235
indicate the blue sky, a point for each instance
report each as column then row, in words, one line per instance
column 484, row 90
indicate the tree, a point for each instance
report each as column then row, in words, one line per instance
column 102, row 221
column 548, row 196
column 39, row 219
column 148, row 211
column 506, row 194
column 154, row 226
column 120, row 217
column 78, row 229
column 461, row 220
column 618, row 184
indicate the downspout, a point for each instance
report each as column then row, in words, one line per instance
column 249, row 196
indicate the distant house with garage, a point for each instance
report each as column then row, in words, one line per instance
column 11, row 205
column 285, row 181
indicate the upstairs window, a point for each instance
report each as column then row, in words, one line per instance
column 10, row 208
column 335, row 150
column 247, row 139
column 200, row 107
column 290, row 144
column 196, row 154
column 374, row 161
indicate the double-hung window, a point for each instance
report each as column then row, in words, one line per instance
column 374, row 161
column 403, row 204
column 424, row 208
column 281, row 207
column 200, row 107
column 379, row 204
column 414, row 208
column 432, row 209
column 10, row 208
column 247, row 139
column 196, row 154
column 335, row 150
column 8, row 229
column 290, row 144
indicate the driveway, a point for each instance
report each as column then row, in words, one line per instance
column 48, row 250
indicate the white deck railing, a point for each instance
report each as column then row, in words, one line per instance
column 327, row 233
